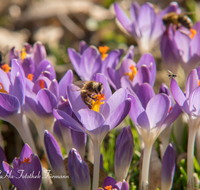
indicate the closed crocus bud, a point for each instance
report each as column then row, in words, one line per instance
column 124, row 153
column 78, row 171
column 168, row 168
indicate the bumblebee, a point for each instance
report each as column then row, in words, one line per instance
column 178, row 20
column 88, row 90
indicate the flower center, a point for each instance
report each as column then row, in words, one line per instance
column 108, row 187
column 103, row 50
column 26, row 160
column 23, row 53
column 96, row 103
column 193, row 33
column 2, row 89
column 41, row 84
column 132, row 73
column 30, row 77
column 6, row 68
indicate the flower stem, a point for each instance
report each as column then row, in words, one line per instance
column 190, row 152
column 145, row 163
column 96, row 166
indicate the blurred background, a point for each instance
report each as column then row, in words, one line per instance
column 60, row 24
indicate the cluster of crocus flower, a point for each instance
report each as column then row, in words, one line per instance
column 28, row 88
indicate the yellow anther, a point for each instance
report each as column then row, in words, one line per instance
column 96, row 103
column 23, row 53
column 132, row 73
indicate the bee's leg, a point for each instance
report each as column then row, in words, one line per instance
column 92, row 97
column 88, row 104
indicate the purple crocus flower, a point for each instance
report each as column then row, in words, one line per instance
column 189, row 103
column 123, row 153
column 3, row 179
column 55, row 158
column 132, row 75
column 28, row 164
column 111, row 183
column 180, row 46
column 99, row 122
column 12, row 100
column 168, row 168
column 151, row 115
column 78, row 171
column 146, row 24
column 89, row 61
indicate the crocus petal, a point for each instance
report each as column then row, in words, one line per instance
column 26, row 152
column 168, row 168
column 123, row 153
column 28, row 65
column 44, row 65
column 75, row 99
column 8, row 105
column 137, row 113
column 54, row 88
column 179, row 96
column 148, row 60
column 113, row 78
column 54, row 153
column 64, row 82
column 109, row 181
column 157, row 113
column 39, row 52
column 5, row 81
column 82, row 46
column 111, row 61
column 33, row 167
column 192, row 82
column 145, row 92
column 46, row 102
column 116, row 117
column 195, row 102
column 113, row 102
column 130, row 53
column 90, row 63
column 194, row 45
column 67, row 120
column 123, row 18
column 16, row 180
column 90, row 119
column 75, row 59
column 78, row 171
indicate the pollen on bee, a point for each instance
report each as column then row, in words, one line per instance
column 96, row 103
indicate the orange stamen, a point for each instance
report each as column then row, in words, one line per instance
column 41, row 84
column 23, row 53
column 132, row 73
column 108, row 187
column 30, row 77
column 193, row 33
column 170, row 109
column 26, row 160
column 199, row 82
column 96, row 103
column 6, row 68
column 103, row 50
column 2, row 90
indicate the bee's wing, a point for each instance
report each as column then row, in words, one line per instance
column 78, row 85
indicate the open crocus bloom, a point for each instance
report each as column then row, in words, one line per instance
column 132, row 75
column 146, row 24
column 180, row 46
column 28, row 165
